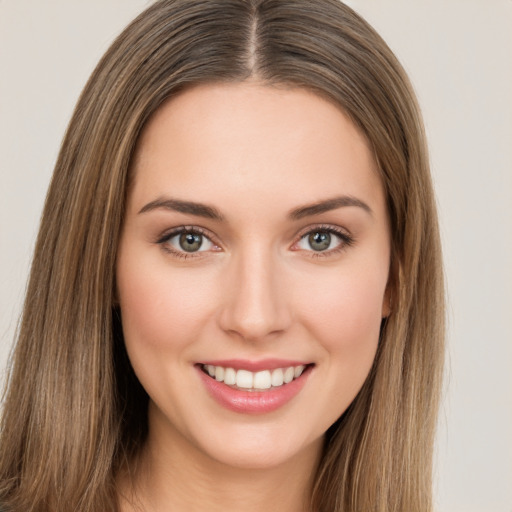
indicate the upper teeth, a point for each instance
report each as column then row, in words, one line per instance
column 254, row 380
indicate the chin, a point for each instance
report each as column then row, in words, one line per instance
column 264, row 447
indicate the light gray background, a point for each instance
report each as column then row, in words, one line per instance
column 459, row 56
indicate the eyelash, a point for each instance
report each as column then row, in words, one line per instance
column 346, row 240
column 194, row 230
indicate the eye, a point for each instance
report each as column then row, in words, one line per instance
column 186, row 241
column 189, row 242
column 324, row 240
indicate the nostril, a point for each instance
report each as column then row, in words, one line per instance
column 253, row 305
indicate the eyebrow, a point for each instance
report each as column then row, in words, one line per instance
column 209, row 212
column 328, row 205
column 177, row 205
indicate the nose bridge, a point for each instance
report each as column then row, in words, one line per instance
column 255, row 305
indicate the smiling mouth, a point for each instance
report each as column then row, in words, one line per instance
column 246, row 380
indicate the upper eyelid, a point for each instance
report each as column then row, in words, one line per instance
column 169, row 233
column 324, row 227
column 345, row 237
column 164, row 241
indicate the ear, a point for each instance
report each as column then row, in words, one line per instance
column 387, row 301
column 390, row 292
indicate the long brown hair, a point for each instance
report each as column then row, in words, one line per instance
column 74, row 413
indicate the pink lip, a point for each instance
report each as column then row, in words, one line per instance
column 254, row 366
column 253, row 402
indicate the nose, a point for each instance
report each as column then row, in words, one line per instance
column 255, row 302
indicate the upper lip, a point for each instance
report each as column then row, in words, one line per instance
column 254, row 366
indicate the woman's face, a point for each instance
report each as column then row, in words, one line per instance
column 256, row 240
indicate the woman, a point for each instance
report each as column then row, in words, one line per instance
column 236, row 298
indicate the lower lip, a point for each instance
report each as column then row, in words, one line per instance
column 253, row 402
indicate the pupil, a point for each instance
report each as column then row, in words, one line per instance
column 320, row 240
column 191, row 242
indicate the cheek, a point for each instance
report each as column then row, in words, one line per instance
column 160, row 309
column 346, row 316
column 345, row 322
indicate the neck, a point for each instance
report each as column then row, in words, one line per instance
column 173, row 476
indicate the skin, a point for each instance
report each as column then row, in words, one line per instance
column 257, row 289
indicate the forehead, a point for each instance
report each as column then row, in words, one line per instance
column 255, row 143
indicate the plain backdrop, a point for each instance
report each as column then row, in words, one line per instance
column 459, row 56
